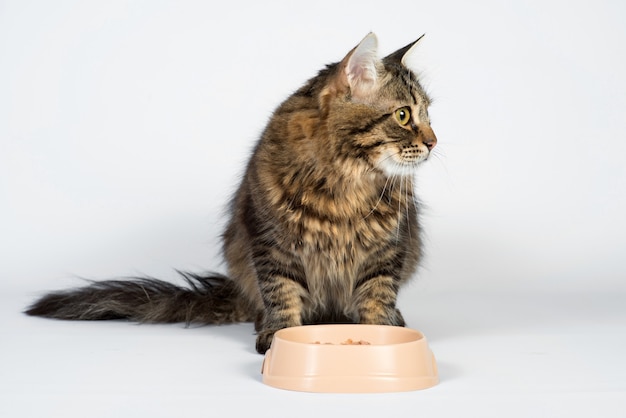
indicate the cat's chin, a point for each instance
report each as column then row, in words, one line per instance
column 400, row 170
column 394, row 168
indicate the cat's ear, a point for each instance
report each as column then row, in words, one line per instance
column 403, row 56
column 356, row 74
column 359, row 67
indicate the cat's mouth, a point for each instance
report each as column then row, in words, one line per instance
column 402, row 161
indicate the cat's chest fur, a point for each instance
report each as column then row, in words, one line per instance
column 336, row 237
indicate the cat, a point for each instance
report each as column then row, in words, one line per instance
column 324, row 225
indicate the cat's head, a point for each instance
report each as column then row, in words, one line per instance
column 378, row 110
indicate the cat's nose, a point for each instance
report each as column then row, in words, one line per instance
column 430, row 142
column 427, row 136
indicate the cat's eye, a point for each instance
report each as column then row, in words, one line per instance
column 403, row 115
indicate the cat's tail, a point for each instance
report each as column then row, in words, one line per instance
column 212, row 299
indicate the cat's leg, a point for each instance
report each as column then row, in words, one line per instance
column 375, row 301
column 282, row 297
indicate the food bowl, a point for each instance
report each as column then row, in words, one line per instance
column 349, row 358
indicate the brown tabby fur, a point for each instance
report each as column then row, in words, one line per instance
column 324, row 225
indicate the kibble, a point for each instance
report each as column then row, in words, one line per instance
column 349, row 341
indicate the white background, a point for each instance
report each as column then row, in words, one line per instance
column 125, row 126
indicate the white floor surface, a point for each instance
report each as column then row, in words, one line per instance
column 528, row 355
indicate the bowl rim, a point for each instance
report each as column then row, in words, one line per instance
column 293, row 364
column 412, row 335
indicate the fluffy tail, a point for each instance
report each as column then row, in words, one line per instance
column 211, row 300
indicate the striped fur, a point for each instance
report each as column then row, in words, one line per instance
column 324, row 226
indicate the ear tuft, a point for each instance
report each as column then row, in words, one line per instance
column 361, row 66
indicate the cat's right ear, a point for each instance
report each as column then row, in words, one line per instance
column 359, row 67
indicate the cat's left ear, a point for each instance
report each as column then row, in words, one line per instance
column 359, row 67
column 403, row 55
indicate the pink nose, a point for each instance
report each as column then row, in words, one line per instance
column 427, row 136
column 430, row 142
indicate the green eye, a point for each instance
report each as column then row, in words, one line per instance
column 403, row 115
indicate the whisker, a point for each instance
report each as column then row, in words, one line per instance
column 382, row 193
column 389, row 156
column 406, row 204
column 401, row 168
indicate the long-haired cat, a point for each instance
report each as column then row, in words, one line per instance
column 324, row 225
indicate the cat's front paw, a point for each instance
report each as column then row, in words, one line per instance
column 264, row 340
column 383, row 317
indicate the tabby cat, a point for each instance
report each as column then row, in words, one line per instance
column 323, row 227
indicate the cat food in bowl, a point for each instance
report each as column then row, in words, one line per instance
column 349, row 358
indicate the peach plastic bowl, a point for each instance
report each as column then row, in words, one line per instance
column 315, row 358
